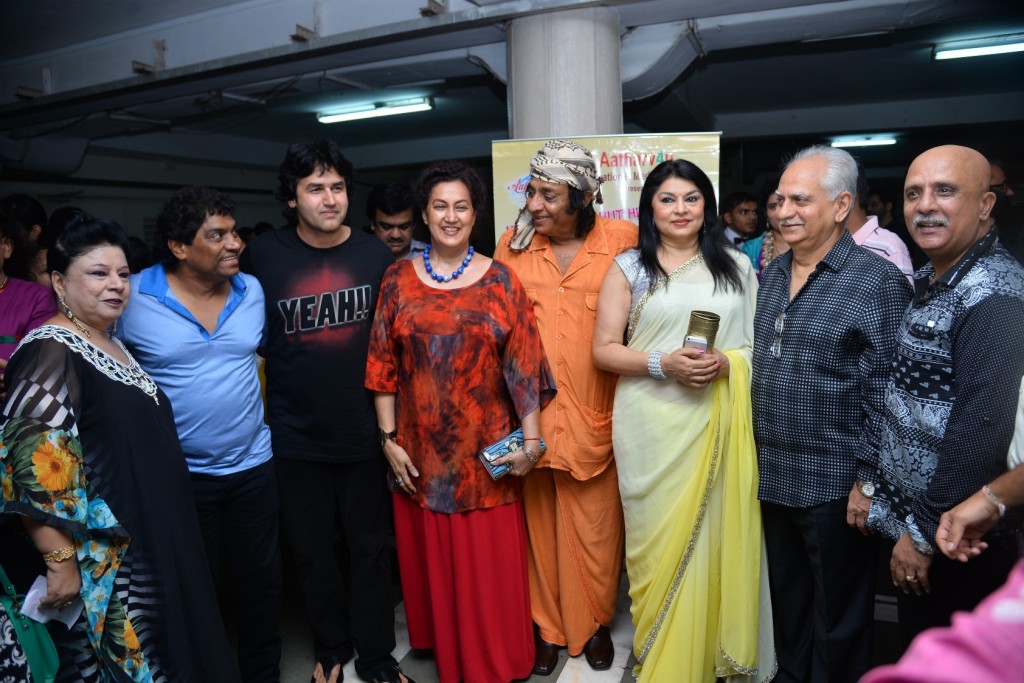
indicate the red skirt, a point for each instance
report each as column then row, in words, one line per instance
column 466, row 591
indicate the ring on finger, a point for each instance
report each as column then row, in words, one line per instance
column 912, row 579
column 399, row 480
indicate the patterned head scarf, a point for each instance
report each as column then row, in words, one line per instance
column 563, row 162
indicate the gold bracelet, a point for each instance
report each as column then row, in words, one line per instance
column 530, row 456
column 60, row 554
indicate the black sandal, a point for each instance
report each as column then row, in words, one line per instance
column 391, row 675
column 327, row 662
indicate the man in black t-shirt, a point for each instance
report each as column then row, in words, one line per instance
column 321, row 281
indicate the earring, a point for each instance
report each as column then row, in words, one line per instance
column 71, row 316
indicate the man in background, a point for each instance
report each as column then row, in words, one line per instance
column 390, row 208
column 739, row 214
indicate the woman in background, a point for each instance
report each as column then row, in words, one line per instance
column 456, row 364
column 763, row 249
column 24, row 305
column 683, row 439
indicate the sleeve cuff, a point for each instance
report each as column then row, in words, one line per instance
column 921, row 543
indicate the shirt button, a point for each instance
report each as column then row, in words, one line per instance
column 561, row 289
column 558, row 336
column 559, row 311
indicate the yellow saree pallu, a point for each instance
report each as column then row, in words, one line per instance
column 688, row 479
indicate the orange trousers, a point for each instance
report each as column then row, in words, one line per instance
column 576, row 537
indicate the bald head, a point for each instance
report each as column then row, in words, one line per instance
column 973, row 165
column 947, row 202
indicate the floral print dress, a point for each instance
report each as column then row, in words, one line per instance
column 88, row 445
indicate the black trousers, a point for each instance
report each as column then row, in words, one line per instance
column 956, row 586
column 350, row 609
column 822, row 576
column 239, row 517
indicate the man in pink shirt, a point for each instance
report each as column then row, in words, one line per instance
column 868, row 234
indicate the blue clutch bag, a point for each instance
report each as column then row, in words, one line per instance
column 512, row 442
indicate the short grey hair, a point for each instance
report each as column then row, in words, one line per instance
column 840, row 171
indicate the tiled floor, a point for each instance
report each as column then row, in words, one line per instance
column 297, row 659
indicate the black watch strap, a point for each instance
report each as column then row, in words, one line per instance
column 384, row 436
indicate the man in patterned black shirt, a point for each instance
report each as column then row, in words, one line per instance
column 952, row 394
column 824, row 334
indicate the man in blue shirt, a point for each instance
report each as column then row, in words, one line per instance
column 194, row 323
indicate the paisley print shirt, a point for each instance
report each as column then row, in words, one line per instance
column 952, row 394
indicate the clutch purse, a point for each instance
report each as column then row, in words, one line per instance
column 504, row 446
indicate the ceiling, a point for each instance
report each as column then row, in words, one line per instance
column 222, row 82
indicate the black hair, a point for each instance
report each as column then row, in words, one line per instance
column 711, row 241
column 27, row 212
column 62, row 217
column 181, row 217
column 138, row 254
column 18, row 265
column 771, row 188
column 731, row 201
column 389, row 199
column 303, row 159
column 447, row 171
column 82, row 237
column 587, row 215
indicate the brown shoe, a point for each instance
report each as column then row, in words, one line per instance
column 547, row 657
column 599, row 650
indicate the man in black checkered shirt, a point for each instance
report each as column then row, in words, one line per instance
column 824, row 335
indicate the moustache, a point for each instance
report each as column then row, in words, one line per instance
column 941, row 221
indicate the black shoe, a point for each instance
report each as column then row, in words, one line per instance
column 391, row 675
column 547, row 658
column 599, row 651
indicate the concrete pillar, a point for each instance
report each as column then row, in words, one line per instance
column 563, row 74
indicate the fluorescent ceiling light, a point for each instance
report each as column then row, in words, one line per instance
column 996, row 45
column 372, row 110
column 864, row 141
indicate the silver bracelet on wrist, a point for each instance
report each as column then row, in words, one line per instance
column 530, row 455
column 994, row 499
column 654, row 368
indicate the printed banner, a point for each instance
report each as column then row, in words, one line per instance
column 623, row 162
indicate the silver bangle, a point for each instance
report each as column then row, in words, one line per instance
column 654, row 368
column 994, row 499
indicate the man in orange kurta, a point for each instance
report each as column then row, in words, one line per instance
column 561, row 250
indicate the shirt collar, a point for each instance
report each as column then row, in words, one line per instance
column 153, row 282
column 866, row 230
column 596, row 241
column 834, row 259
column 952, row 277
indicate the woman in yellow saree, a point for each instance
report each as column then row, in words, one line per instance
column 683, row 440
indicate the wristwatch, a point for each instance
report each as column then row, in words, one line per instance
column 866, row 488
column 384, row 436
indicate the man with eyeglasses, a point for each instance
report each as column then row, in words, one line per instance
column 824, row 335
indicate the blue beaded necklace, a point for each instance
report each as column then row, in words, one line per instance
column 445, row 278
